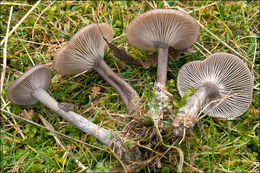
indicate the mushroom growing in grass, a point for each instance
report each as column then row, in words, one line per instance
column 85, row 51
column 32, row 87
column 224, row 87
column 160, row 29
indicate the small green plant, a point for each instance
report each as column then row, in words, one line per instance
column 178, row 104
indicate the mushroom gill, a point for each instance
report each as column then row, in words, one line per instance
column 224, row 87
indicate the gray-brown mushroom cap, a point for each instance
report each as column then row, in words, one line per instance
column 83, row 49
column 20, row 91
column 162, row 26
column 227, row 76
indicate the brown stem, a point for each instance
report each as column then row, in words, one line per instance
column 127, row 93
column 162, row 66
column 187, row 115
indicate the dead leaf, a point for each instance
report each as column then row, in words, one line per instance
column 154, row 58
column 53, row 50
column 95, row 91
column 188, row 50
column 60, row 39
column 11, row 139
column 27, row 114
column 121, row 54
column 175, row 56
column 146, row 64
column 16, row 53
column 159, row 165
column 67, row 25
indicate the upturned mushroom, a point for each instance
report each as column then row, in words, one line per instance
column 224, row 86
column 85, row 51
column 161, row 29
column 32, row 86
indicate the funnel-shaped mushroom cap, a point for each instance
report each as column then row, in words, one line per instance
column 20, row 91
column 83, row 49
column 162, row 26
column 225, row 75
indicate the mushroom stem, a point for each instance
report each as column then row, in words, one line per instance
column 127, row 93
column 187, row 115
column 162, row 66
column 77, row 120
column 160, row 101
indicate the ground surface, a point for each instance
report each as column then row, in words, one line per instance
column 214, row 146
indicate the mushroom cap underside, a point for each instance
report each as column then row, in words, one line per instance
column 231, row 77
column 20, row 91
column 168, row 27
column 83, row 49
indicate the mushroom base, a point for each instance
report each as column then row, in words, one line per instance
column 159, row 106
column 188, row 115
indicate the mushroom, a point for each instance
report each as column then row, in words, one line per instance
column 161, row 29
column 224, row 86
column 85, row 51
column 32, row 86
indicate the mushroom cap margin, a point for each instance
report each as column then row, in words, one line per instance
column 20, row 91
column 83, row 49
column 167, row 26
column 232, row 78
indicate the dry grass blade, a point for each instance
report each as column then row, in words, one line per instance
column 10, row 3
column 198, row 9
column 118, row 37
column 16, row 166
column 204, row 48
column 200, row 50
column 257, row 166
column 5, row 51
column 150, row 4
column 147, row 162
column 219, row 102
column 195, row 169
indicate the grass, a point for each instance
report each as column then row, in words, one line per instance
column 213, row 146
